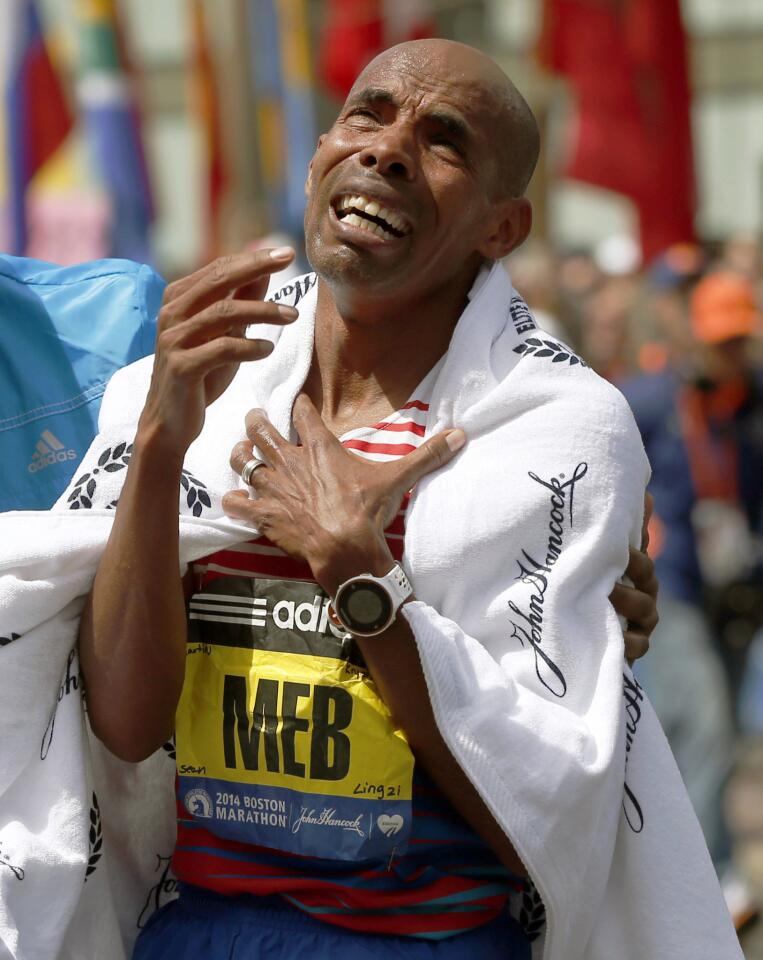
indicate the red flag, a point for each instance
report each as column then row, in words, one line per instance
column 352, row 36
column 356, row 30
column 659, row 48
column 626, row 62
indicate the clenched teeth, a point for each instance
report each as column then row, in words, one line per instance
column 355, row 221
column 372, row 208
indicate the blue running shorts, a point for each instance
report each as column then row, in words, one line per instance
column 202, row 925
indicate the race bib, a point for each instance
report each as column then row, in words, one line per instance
column 282, row 739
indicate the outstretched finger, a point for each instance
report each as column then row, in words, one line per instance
column 227, row 275
column 242, row 453
column 308, row 422
column 431, row 455
column 261, row 432
column 199, row 361
column 230, row 317
column 238, row 505
column 254, row 290
column 173, row 290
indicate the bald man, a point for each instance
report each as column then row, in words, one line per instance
column 415, row 188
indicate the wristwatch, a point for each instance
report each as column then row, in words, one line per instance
column 366, row 605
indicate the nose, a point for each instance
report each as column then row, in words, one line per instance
column 391, row 153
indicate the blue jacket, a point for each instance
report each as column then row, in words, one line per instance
column 653, row 399
column 63, row 332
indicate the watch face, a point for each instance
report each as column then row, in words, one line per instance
column 364, row 607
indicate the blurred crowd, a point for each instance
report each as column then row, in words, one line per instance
column 683, row 340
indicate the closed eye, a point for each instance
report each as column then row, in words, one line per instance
column 448, row 131
column 450, row 146
column 364, row 112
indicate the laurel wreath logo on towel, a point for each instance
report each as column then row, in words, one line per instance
column 111, row 460
column 114, row 459
column 197, row 497
column 96, row 838
column 549, row 348
column 532, row 913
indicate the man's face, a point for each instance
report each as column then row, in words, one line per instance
column 401, row 185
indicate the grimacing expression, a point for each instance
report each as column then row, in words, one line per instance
column 402, row 184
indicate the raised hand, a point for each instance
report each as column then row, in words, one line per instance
column 201, row 340
column 322, row 503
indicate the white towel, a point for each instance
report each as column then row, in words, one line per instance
column 513, row 549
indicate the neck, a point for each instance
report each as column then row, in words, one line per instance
column 369, row 356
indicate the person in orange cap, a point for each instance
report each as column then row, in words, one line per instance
column 723, row 308
column 724, row 315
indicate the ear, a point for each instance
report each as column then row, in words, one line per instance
column 507, row 228
column 309, row 181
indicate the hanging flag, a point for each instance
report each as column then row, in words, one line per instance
column 36, row 116
column 607, row 137
column 353, row 35
column 299, row 114
column 267, row 87
column 112, row 128
column 356, row 30
column 658, row 45
column 626, row 63
column 205, row 104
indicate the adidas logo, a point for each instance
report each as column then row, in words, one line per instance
column 49, row 450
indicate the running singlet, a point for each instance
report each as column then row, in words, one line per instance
column 292, row 778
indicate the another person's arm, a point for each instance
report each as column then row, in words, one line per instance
column 637, row 604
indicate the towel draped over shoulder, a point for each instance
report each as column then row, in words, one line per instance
column 513, row 549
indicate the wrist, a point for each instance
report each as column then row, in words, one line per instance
column 152, row 445
column 155, row 465
column 350, row 559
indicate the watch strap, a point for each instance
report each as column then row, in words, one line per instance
column 398, row 585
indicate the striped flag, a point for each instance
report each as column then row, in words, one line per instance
column 267, row 84
column 205, row 104
column 112, row 128
column 299, row 126
column 282, row 83
column 36, row 115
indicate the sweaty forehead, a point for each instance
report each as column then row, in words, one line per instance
column 428, row 76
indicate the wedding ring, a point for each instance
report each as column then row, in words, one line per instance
column 249, row 467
